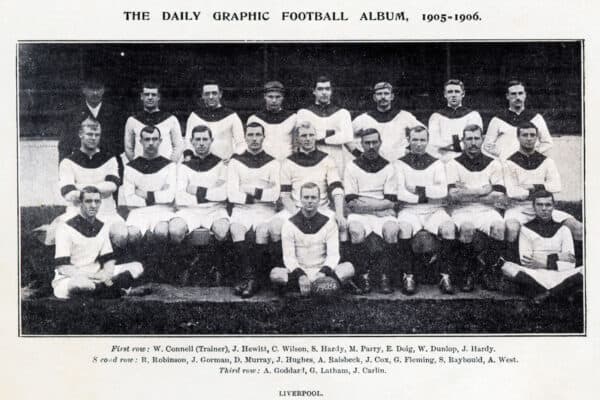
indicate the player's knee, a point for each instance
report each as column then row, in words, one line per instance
column 279, row 276
column 177, row 230
column 512, row 230
column 238, row 232
column 467, row 232
column 262, row 233
column 119, row 234
column 220, row 229
column 405, row 230
column 447, row 230
column 344, row 271
column 135, row 268
column 161, row 231
column 390, row 231
column 134, row 235
column 275, row 229
column 356, row 231
column 199, row 237
column 575, row 227
column 423, row 242
column 498, row 230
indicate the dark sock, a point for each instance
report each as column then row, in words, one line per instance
column 578, row 252
column 447, row 257
column 275, row 255
column 511, row 251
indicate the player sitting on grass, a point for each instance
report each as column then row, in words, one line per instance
column 310, row 247
column 547, row 258
column 200, row 197
column 84, row 260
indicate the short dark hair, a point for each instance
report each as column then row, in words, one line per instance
column 541, row 193
column 514, row 82
column 150, row 84
column 368, row 131
column 416, row 128
column 88, row 189
column 455, row 82
column 255, row 125
column 310, row 185
column 201, row 128
column 150, row 129
column 526, row 125
column 322, row 78
column 473, row 128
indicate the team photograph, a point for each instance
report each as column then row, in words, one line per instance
column 328, row 188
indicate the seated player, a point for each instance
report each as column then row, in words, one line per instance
column 370, row 184
column 525, row 172
column 446, row 125
column 422, row 188
column 475, row 185
column 200, row 197
column 307, row 165
column 90, row 166
column 149, row 184
column 547, row 258
column 84, row 260
column 310, row 247
column 253, row 189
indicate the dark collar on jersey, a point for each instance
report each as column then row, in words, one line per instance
column 253, row 160
column 453, row 113
column 214, row 114
column 309, row 226
column 152, row 118
column 418, row 161
column 323, row 110
column 528, row 162
column 546, row 229
column 475, row 164
column 308, row 159
column 273, row 117
column 84, row 161
column 202, row 164
column 515, row 119
column 371, row 166
column 383, row 116
column 149, row 165
column 83, row 226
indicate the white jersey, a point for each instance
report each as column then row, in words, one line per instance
column 279, row 132
column 310, row 243
column 171, row 146
column 521, row 171
column 260, row 171
column 370, row 178
column 334, row 129
column 543, row 240
column 81, row 243
column 501, row 138
column 226, row 127
column 204, row 174
column 79, row 170
column 446, row 129
column 156, row 176
column 392, row 126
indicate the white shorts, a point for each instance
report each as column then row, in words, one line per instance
column 62, row 284
column 253, row 215
column 146, row 218
column 197, row 217
column 430, row 221
column 371, row 223
column 482, row 219
column 526, row 213
column 545, row 277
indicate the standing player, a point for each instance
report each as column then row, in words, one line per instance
column 390, row 122
column 201, row 196
column 224, row 123
column 171, row 141
column 370, row 185
column 527, row 171
column 446, row 125
column 547, row 259
column 422, row 187
column 332, row 124
column 253, row 188
column 278, row 123
column 84, row 261
column 149, row 185
column 476, row 184
column 310, row 247
column 501, row 138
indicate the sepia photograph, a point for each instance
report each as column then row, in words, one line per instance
column 325, row 188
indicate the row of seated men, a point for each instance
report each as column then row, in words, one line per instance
column 383, row 215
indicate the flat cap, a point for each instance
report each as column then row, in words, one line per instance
column 274, row 86
column 382, row 85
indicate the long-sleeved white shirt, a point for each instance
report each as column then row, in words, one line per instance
column 422, row 183
column 446, row 129
column 171, row 146
column 521, row 170
column 261, row 172
column 279, row 131
column 156, row 176
column 209, row 175
column 226, row 127
column 543, row 240
column 370, row 178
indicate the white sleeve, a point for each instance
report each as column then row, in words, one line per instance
column 167, row 195
column 288, row 246
column 218, row 193
column 489, row 142
column 439, row 188
column 511, row 179
column 545, row 139
column 129, row 138
column 566, row 246
column 343, row 132
column 435, row 131
column 552, row 181
column 66, row 180
column 332, row 245
column 176, row 140
column 128, row 188
column 403, row 194
column 234, row 194
column 237, row 129
column 182, row 197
